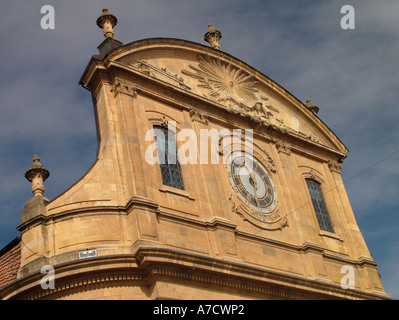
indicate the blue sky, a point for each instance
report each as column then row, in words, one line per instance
column 352, row 75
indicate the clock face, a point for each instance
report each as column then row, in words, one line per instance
column 252, row 182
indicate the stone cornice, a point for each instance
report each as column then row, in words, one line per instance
column 149, row 265
column 213, row 224
column 205, row 225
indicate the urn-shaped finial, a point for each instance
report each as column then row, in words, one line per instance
column 213, row 36
column 37, row 174
column 107, row 22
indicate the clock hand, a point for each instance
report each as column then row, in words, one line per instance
column 255, row 186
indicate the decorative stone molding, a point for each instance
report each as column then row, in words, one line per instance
column 163, row 122
column 312, row 174
column 199, row 116
column 281, row 124
column 260, row 111
column 123, row 86
column 283, row 147
column 313, row 138
column 269, row 221
column 151, row 264
column 309, row 136
column 161, row 73
column 143, row 66
column 334, row 166
column 144, row 276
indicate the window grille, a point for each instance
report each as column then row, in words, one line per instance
column 167, row 155
column 319, row 205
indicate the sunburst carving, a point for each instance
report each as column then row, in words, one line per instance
column 230, row 86
column 224, row 81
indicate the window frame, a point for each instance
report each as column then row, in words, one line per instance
column 320, row 216
column 169, row 183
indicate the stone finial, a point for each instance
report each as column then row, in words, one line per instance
column 213, row 36
column 107, row 22
column 37, row 174
column 311, row 106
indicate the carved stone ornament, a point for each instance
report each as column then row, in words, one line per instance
column 283, row 147
column 163, row 122
column 313, row 138
column 160, row 73
column 313, row 175
column 199, row 116
column 232, row 87
column 123, row 86
column 37, row 174
column 334, row 166
column 269, row 221
column 107, row 22
column 311, row 106
column 213, row 36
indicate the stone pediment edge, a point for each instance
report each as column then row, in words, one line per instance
column 197, row 48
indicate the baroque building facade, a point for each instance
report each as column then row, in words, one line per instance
column 276, row 225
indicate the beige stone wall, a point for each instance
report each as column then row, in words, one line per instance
column 120, row 204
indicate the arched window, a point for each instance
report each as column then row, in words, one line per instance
column 167, row 155
column 319, row 205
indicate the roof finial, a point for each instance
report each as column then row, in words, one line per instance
column 37, row 174
column 107, row 22
column 213, row 36
column 311, row 106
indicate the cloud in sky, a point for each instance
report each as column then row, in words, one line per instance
column 352, row 75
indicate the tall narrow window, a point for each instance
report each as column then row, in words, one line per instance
column 167, row 154
column 319, row 205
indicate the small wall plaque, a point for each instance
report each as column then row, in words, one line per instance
column 87, row 254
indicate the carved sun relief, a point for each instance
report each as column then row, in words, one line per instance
column 223, row 80
column 231, row 86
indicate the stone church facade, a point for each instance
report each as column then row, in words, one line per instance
column 206, row 228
